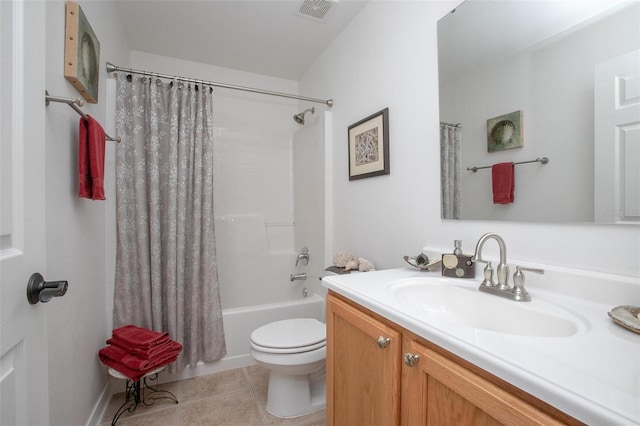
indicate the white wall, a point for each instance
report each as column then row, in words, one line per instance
column 75, row 228
column 387, row 57
column 553, row 84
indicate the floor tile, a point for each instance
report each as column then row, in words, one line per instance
column 229, row 409
column 213, row 384
column 230, row 398
column 158, row 404
column 166, row 417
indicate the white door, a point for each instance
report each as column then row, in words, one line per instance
column 617, row 140
column 23, row 348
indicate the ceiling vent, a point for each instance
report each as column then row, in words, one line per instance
column 316, row 9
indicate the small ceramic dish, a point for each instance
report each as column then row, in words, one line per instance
column 627, row 317
column 434, row 263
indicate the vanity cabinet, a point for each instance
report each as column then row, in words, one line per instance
column 363, row 368
column 409, row 381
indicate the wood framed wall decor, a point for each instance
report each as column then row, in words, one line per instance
column 369, row 146
column 81, row 53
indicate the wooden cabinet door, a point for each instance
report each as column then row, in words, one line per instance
column 363, row 368
column 438, row 392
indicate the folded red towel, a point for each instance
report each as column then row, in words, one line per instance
column 133, row 366
column 140, row 337
column 123, row 357
column 91, row 146
column 134, row 375
column 150, row 353
column 503, row 183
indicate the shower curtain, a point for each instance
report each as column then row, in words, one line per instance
column 450, row 136
column 166, row 273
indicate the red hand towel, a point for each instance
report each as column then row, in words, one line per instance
column 151, row 353
column 91, row 146
column 503, row 183
column 123, row 357
column 140, row 337
column 135, row 367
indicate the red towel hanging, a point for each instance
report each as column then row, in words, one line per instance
column 502, row 175
column 91, row 147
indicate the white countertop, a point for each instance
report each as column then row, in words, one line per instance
column 593, row 375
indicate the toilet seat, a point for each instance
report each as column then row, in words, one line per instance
column 290, row 336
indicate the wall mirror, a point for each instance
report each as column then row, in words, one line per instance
column 569, row 71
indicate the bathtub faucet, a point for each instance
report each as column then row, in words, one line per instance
column 302, row 276
column 303, row 257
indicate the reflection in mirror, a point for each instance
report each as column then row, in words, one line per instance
column 566, row 77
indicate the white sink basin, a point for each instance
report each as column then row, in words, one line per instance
column 465, row 305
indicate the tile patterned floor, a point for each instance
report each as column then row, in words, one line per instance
column 229, row 398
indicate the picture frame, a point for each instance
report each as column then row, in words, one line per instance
column 368, row 142
column 505, row 132
column 81, row 53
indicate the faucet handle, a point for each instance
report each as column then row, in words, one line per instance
column 536, row 270
column 303, row 256
column 488, row 276
column 520, row 294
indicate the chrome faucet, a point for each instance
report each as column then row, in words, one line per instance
column 296, row 277
column 503, row 269
column 502, row 289
column 303, row 256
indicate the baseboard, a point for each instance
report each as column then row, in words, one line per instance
column 101, row 406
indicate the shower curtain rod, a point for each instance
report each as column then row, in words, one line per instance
column 113, row 68
column 444, row 123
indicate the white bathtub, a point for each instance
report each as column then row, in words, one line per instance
column 238, row 325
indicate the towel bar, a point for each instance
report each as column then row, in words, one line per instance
column 75, row 104
column 543, row 160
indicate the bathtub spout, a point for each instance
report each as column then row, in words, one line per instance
column 302, row 276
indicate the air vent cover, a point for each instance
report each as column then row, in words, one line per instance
column 315, row 8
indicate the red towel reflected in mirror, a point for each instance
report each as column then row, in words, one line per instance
column 502, row 175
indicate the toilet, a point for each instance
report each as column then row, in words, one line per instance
column 294, row 352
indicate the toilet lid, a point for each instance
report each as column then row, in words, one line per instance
column 291, row 333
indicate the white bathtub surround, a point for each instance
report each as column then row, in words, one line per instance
column 591, row 375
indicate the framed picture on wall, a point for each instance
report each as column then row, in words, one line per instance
column 81, row 53
column 505, row 132
column 369, row 146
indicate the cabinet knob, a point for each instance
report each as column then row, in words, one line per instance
column 383, row 342
column 411, row 359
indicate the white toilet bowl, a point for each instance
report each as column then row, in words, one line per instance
column 294, row 351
